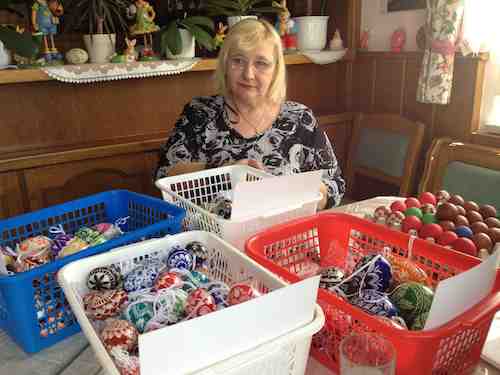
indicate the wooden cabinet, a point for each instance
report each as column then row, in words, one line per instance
column 11, row 195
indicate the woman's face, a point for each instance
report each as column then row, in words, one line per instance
column 249, row 74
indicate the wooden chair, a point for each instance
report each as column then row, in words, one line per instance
column 473, row 171
column 385, row 148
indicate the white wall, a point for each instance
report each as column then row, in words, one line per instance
column 383, row 24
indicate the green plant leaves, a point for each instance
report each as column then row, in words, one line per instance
column 200, row 35
column 197, row 25
column 21, row 44
column 171, row 39
column 239, row 7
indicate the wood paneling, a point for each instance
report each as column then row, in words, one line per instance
column 60, row 183
column 385, row 82
column 11, row 199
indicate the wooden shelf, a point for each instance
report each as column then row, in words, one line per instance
column 37, row 75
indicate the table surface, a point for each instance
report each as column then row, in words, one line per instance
column 74, row 356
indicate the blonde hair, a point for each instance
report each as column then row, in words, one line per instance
column 244, row 36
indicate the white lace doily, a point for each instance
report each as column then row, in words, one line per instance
column 87, row 73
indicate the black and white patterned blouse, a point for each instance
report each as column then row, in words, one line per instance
column 293, row 144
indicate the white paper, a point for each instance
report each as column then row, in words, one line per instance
column 459, row 293
column 194, row 344
column 271, row 196
column 491, row 349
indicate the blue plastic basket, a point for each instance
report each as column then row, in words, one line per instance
column 33, row 308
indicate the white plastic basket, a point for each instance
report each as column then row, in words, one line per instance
column 286, row 354
column 190, row 190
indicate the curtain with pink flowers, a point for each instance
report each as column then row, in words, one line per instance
column 444, row 29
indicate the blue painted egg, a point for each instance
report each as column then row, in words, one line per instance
column 464, row 231
column 180, row 258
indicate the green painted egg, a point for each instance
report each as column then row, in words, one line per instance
column 419, row 322
column 414, row 211
column 429, row 218
column 412, row 300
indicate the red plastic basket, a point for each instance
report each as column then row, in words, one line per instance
column 341, row 239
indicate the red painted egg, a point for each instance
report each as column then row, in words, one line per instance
column 412, row 202
column 430, row 231
column 447, row 238
column 411, row 225
column 465, row 245
column 398, row 206
column 427, row 197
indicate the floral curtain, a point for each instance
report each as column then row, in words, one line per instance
column 444, row 30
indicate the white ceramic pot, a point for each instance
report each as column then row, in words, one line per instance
column 100, row 47
column 233, row 20
column 5, row 56
column 311, row 33
column 187, row 51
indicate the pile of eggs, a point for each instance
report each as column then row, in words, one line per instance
column 446, row 219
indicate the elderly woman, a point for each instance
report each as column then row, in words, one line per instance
column 250, row 122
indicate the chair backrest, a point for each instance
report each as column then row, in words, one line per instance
column 385, row 147
column 470, row 170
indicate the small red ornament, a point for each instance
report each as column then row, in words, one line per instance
column 447, row 238
column 427, row 197
column 412, row 202
column 200, row 302
column 465, row 245
column 398, row 206
column 167, row 280
column 412, row 225
column 240, row 293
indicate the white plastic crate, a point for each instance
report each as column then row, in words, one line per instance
column 190, row 190
column 283, row 354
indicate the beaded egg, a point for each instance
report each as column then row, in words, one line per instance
column 412, row 299
column 73, row 246
column 91, row 236
column 143, row 276
column 180, row 258
column 375, row 303
column 200, row 302
column 119, row 333
column 404, row 270
column 101, row 278
column 100, row 305
column 139, row 313
column 373, row 272
column 167, row 280
column 239, row 293
column 200, row 251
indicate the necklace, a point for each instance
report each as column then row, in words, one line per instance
column 239, row 116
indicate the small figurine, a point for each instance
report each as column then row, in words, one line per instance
column 398, row 40
column 44, row 20
column 144, row 15
column 336, row 43
column 285, row 27
column 128, row 55
column 220, row 34
column 364, row 38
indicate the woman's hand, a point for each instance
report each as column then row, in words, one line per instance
column 250, row 162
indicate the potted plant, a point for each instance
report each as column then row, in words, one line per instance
column 179, row 37
column 236, row 10
column 101, row 20
column 311, row 30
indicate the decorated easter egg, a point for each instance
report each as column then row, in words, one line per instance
column 101, row 278
column 240, row 293
column 465, row 245
column 395, row 220
column 479, row 227
column 170, row 306
column 463, row 231
column 374, row 303
column 143, row 276
column 494, row 234
column 219, row 291
column 200, row 302
column 428, row 208
column 329, row 277
column 180, row 258
column 414, row 211
column 118, row 333
column 412, row 299
column 457, row 199
column 487, row 210
column 482, row 241
column 461, row 220
column 32, row 245
column 73, row 246
column 471, row 206
column 200, row 251
column 447, row 238
column 167, row 280
column 430, row 231
column 429, row 218
column 461, row 210
column 140, row 313
column 103, row 304
column 492, row 222
column 411, row 225
column 419, row 322
column 77, row 56
column 108, row 230
column 59, row 242
column 412, row 202
column 380, row 214
column 446, row 211
column 372, row 272
column 404, row 270
column 473, row 216
column 398, row 206
column 442, row 196
column 447, row 225
column 91, row 236
column 427, row 198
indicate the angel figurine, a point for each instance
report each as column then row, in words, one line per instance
column 144, row 15
column 44, row 20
